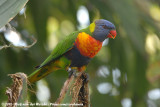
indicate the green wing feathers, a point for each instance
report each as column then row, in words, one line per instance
column 61, row 48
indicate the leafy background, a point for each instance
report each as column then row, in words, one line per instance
column 125, row 73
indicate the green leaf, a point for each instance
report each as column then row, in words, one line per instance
column 9, row 9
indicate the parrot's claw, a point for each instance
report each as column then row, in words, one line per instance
column 86, row 78
column 71, row 72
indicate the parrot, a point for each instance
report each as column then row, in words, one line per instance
column 76, row 50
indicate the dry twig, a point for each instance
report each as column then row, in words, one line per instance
column 76, row 91
column 17, row 89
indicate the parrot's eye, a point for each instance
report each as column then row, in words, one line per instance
column 108, row 27
column 105, row 27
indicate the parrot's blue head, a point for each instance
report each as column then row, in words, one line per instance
column 102, row 29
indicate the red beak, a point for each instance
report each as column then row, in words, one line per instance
column 112, row 34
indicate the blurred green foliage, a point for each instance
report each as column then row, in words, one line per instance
column 135, row 52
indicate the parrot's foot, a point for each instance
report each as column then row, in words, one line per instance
column 86, row 78
column 71, row 72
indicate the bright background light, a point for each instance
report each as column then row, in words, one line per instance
column 154, row 94
column 14, row 38
column 126, row 102
column 83, row 17
column 104, row 88
column 43, row 92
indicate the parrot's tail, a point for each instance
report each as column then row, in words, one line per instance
column 41, row 73
column 60, row 64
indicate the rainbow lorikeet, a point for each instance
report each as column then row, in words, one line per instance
column 76, row 50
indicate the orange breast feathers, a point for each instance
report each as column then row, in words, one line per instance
column 87, row 45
